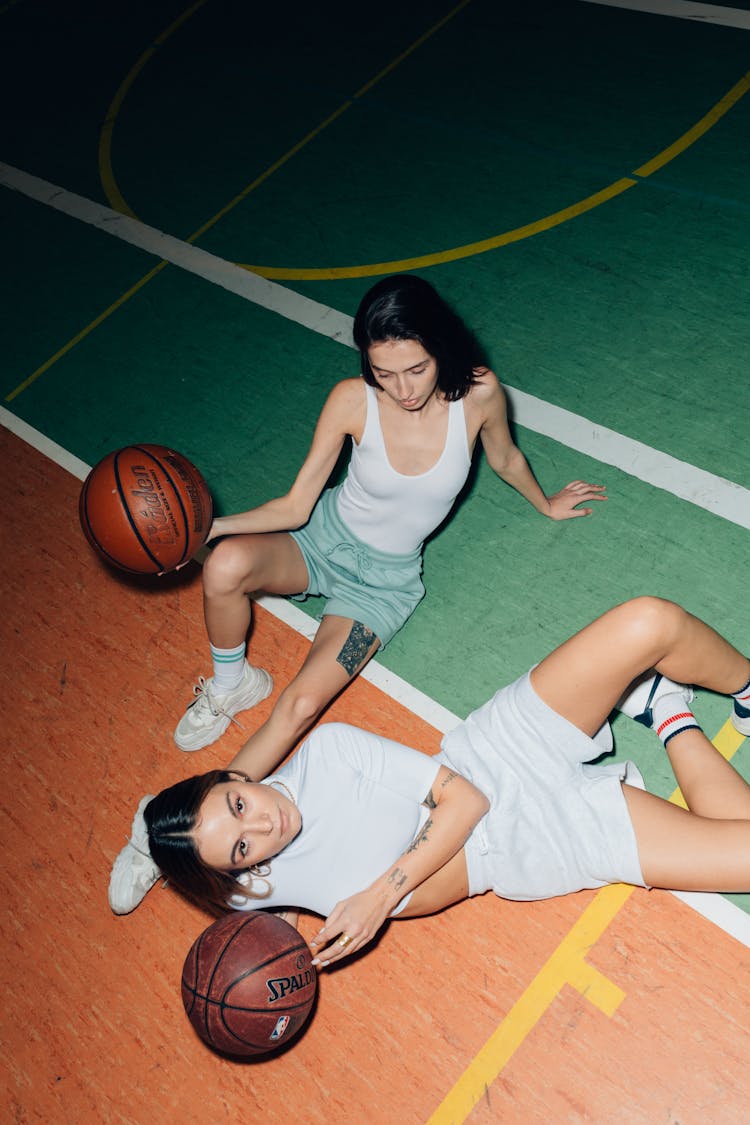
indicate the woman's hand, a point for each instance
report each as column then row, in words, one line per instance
column 562, row 506
column 216, row 530
column 455, row 807
column 350, row 926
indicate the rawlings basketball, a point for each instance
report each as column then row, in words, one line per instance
column 248, row 983
column 145, row 509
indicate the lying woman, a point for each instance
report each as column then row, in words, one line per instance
column 359, row 829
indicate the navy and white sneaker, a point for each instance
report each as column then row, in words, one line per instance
column 638, row 702
column 740, row 718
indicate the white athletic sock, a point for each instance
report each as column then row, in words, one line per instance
column 672, row 715
column 229, row 664
column 743, row 695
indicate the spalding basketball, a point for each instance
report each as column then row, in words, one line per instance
column 145, row 509
column 248, row 983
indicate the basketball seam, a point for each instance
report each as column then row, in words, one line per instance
column 175, row 488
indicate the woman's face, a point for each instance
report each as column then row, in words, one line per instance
column 241, row 823
column 405, row 371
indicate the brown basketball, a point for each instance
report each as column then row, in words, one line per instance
column 145, row 509
column 248, row 983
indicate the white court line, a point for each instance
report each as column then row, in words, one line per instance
column 393, row 686
column 684, row 10
column 706, row 490
column 715, row 908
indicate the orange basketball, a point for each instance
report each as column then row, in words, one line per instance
column 248, row 983
column 145, row 509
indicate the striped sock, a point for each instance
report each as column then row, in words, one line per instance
column 743, row 696
column 672, row 715
column 229, row 665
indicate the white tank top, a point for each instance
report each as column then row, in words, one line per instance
column 391, row 511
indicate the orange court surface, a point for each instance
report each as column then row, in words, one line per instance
column 618, row 1006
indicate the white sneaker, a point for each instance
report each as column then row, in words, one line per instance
column 741, row 718
column 209, row 715
column 638, row 702
column 134, row 872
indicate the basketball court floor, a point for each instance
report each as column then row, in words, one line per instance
column 193, row 200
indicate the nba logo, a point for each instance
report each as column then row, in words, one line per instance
column 281, row 1025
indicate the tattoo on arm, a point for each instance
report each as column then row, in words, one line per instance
column 429, row 801
column 356, row 647
column 397, row 878
column 422, row 837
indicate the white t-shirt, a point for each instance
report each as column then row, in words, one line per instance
column 360, row 797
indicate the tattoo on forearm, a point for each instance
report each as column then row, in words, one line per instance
column 356, row 647
column 452, row 775
column 422, row 837
column 397, row 878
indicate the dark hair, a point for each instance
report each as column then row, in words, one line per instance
column 170, row 818
column 406, row 307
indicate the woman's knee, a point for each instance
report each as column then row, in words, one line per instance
column 228, row 569
column 299, row 705
column 653, row 620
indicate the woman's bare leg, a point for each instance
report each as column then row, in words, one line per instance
column 339, row 651
column 242, row 565
column 709, row 783
column 682, row 851
column 585, row 677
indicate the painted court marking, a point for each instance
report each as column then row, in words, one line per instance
column 422, row 261
column 715, row 908
column 684, row 10
column 706, row 490
column 568, row 965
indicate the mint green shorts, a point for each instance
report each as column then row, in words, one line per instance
column 372, row 587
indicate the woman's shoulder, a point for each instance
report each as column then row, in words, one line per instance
column 346, row 404
column 348, row 394
column 485, row 393
column 485, row 381
column 349, row 388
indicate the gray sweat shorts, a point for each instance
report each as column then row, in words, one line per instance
column 555, row 824
column 375, row 588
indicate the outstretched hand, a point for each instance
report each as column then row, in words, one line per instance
column 349, row 927
column 563, row 503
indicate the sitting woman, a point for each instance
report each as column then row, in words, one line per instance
column 359, row 829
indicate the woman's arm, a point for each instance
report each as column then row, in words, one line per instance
column 455, row 808
column 342, row 416
column 290, row 916
column 507, row 460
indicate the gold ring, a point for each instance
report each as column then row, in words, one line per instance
column 344, row 940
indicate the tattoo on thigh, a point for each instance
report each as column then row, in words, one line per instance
column 356, row 647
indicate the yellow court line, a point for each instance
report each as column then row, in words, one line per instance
column 723, row 106
column 85, row 332
column 373, row 269
column 106, row 172
column 566, row 966
column 118, row 203
column 106, row 175
column 424, row 261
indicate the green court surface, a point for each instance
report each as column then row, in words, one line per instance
column 631, row 314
